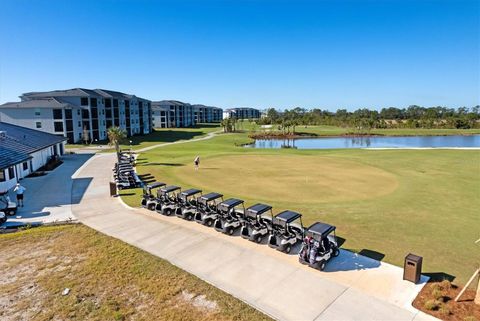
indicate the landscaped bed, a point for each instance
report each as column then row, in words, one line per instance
column 106, row 280
column 437, row 299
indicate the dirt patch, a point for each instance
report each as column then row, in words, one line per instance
column 437, row 299
column 198, row 301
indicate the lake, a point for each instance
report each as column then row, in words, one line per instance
column 371, row 142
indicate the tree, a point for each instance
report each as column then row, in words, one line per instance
column 115, row 136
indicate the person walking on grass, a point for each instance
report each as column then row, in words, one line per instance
column 19, row 190
column 196, row 162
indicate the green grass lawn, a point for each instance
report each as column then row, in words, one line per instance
column 389, row 201
column 108, row 280
column 159, row 136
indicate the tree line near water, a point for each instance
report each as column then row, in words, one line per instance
column 365, row 119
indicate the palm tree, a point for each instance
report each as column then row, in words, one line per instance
column 115, row 136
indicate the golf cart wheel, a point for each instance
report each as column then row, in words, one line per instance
column 288, row 248
column 230, row 231
column 120, row 187
column 258, row 238
column 321, row 265
column 168, row 212
column 336, row 252
column 209, row 223
column 189, row 217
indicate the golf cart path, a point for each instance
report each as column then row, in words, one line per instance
column 353, row 287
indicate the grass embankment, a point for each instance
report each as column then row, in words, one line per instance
column 158, row 136
column 390, row 201
column 326, row 131
column 108, row 280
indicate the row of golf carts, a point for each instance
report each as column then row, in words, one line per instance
column 256, row 223
column 124, row 172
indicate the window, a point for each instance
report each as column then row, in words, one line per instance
column 108, row 103
column 68, row 113
column 79, row 123
column 37, row 111
column 78, row 112
column 58, row 126
column 11, row 172
column 93, row 102
column 115, row 103
column 84, row 101
column 38, row 124
column 57, row 114
column 2, row 176
column 85, row 113
column 25, row 166
column 80, row 135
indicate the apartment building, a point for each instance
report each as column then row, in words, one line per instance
column 80, row 114
column 242, row 113
column 172, row 113
column 207, row 114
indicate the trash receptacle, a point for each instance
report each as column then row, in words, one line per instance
column 412, row 268
column 113, row 189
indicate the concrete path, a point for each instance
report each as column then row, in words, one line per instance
column 353, row 287
column 48, row 198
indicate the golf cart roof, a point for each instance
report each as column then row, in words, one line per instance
column 287, row 216
column 155, row 185
column 231, row 202
column 169, row 189
column 3, row 193
column 258, row 209
column 210, row 196
column 320, row 229
column 190, row 192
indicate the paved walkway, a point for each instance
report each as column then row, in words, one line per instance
column 48, row 198
column 352, row 288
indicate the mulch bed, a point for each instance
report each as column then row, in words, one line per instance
column 437, row 299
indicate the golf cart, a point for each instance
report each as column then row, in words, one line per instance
column 287, row 230
column 319, row 246
column 230, row 214
column 3, row 217
column 167, row 200
column 257, row 222
column 6, row 206
column 207, row 208
column 148, row 198
column 188, row 204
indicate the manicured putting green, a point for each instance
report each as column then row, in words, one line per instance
column 307, row 179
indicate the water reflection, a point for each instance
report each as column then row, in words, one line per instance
column 370, row 142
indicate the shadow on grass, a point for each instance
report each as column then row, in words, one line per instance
column 165, row 136
column 372, row 254
column 439, row 276
column 126, row 194
column 164, row 164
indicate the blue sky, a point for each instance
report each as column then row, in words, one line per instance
column 271, row 53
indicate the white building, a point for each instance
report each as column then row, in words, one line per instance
column 23, row 151
column 207, row 114
column 177, row 113
column 242, row 113
column 79, row 112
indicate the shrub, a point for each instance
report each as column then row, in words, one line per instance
column 445, row 285
column 430, row 305
column 444, row 310
column 437, row 294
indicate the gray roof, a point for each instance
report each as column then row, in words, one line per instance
column 20, row 142
column 113, row 94
column 169, row 102
column 36, row 103
column 81, row 92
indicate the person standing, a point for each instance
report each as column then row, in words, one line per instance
column 19, row 190
column 196, row 161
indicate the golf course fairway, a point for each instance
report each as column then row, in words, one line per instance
column 384, row 202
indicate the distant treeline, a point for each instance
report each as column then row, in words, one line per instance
column 365, row 119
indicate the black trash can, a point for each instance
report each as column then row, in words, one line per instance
column 412, row 268
column 113, row 189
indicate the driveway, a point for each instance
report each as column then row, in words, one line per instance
column 48, row 198
column 354, row 287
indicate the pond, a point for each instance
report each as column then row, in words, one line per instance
column 371, row 142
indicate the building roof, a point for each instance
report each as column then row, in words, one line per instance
column 37, row 103
column 168, row 102
column 17, row 143
column 113, row 94
column 81, row 92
